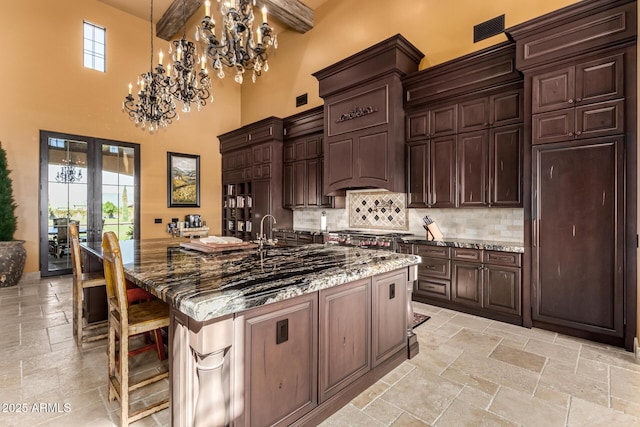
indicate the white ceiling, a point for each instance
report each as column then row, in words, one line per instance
column 141, row 8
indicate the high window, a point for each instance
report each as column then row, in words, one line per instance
column 94, row 46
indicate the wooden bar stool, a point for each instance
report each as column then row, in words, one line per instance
column 125, row 321
column 82, row 280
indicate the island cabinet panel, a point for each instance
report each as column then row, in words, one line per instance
column 389, row 319
column 345, row 331
column 281, row 362
column 460, row 129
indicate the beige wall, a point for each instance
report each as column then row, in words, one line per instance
column 44, row 86
column 442, row 30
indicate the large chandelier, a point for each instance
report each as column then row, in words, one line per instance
column 239, row 47
column 187, row 83
column 68, row 173
column 155, row 106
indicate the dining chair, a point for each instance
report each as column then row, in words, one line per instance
column 125, row 321
column 82, row 280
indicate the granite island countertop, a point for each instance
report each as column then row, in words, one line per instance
column 517, row 247
column 207, row 286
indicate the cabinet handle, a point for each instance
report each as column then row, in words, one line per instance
column 578, row 99
column 392, row 291
column 282, row 331
column 502, row 258
column 579, row 133
column 535, row 233
column 570, row 101
column 430, row 267
column 570, row 133
column 480, row 268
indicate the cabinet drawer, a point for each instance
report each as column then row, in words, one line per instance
column 503, row 258
column 432, row 251
column 435, row 267
column 262, row 171
column 418, row 126
column 280, row 235
column 305, row 238
column 467, row 254
column 553, row 126
column 433, row 288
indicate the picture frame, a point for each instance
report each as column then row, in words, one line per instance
column 183, row 180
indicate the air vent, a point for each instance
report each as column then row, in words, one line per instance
column 488, row 28
column 301, row 100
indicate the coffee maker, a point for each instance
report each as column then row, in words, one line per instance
column 193, row 221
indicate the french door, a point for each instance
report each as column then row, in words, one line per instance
column 89, row 181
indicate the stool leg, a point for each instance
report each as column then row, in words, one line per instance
column 124, row 377
column 160, row 344
column 111, row 350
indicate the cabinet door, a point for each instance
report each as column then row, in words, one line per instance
column 288, row 186
column 261, row 205
column 473, row 161
column 389, row 315
column 299, row 183
column 578, row 241
column 281, row 362
column 313, row 183
column 314, row 146
column 262, row 154
column 502, row 289
column 418, row 160
column 553, row 126
column 505, row 166
column 466, row 284
column 442, row 163
column 506, row 108
column 338, row 167
column 417, row 126
column 345, row 331
column 600, row 80
column 443, row 121
column 553, row 90
column 605, row 118
column 473, row 115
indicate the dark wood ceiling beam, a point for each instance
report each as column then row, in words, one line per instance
column 173, row 19
column 293, row 13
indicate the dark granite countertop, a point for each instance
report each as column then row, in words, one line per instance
column 516, row 247
column 311, row 231
column 206, row 286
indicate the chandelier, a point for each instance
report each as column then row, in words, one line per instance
column 68, row 174
column 188, row 84
column 239, row 47
column 155, row 106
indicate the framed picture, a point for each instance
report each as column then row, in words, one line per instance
column 183, row 180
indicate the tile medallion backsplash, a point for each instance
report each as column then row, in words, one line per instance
column 378, row 210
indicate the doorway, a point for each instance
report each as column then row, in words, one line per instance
column 91, row 182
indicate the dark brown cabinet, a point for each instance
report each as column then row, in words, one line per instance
column 364, row 117
column 345, row 334
column 482, row 282
column 281, row 363
column 467, row 153
column 579, row 66
column 252, row 175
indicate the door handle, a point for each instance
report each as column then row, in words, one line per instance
column 535, row 232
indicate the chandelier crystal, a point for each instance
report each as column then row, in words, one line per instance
column 68, row 173
column 239, row 47
column 190, row 82
column 155, row 107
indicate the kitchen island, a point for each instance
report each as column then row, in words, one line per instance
column 278, row 336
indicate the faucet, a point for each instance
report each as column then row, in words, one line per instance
column 261, row 236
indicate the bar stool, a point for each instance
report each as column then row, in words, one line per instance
column 82, row 280
column 125, row 321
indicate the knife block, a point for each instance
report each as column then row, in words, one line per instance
column 434, row 231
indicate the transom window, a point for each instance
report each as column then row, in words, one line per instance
column 94, row 46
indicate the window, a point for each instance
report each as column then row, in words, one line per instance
column 94, row 47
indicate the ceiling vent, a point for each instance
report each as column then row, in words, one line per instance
column 488, row 28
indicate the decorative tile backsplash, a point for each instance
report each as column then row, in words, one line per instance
column 378, row 210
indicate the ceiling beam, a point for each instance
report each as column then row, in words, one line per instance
column 293, row 13
column 173, row 19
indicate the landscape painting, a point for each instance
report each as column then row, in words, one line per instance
column 183, row 187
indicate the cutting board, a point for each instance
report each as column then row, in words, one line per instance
column 217, row 247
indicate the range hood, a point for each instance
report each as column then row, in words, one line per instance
column 364, row 143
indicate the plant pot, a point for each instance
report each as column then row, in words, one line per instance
column 12, row 258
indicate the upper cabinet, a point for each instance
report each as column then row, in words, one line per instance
column 364, row 117
column 464, row 132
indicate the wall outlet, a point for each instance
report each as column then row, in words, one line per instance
column 158, row 220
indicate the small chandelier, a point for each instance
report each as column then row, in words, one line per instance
column 155, row 106
column 68, row 174
column 188, row 84
column 239, row 47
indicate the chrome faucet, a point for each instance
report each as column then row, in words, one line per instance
column 261, row 236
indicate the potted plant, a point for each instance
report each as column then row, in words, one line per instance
column 12, row 252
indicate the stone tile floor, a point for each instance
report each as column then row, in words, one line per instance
column 470, row 372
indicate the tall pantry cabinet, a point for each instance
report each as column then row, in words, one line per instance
column 579, row 66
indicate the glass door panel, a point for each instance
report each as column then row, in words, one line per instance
column 118, row 183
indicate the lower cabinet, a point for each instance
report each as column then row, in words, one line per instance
column 345, row 330
column 281, row 362
column 482, row 282
column 389, row 320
